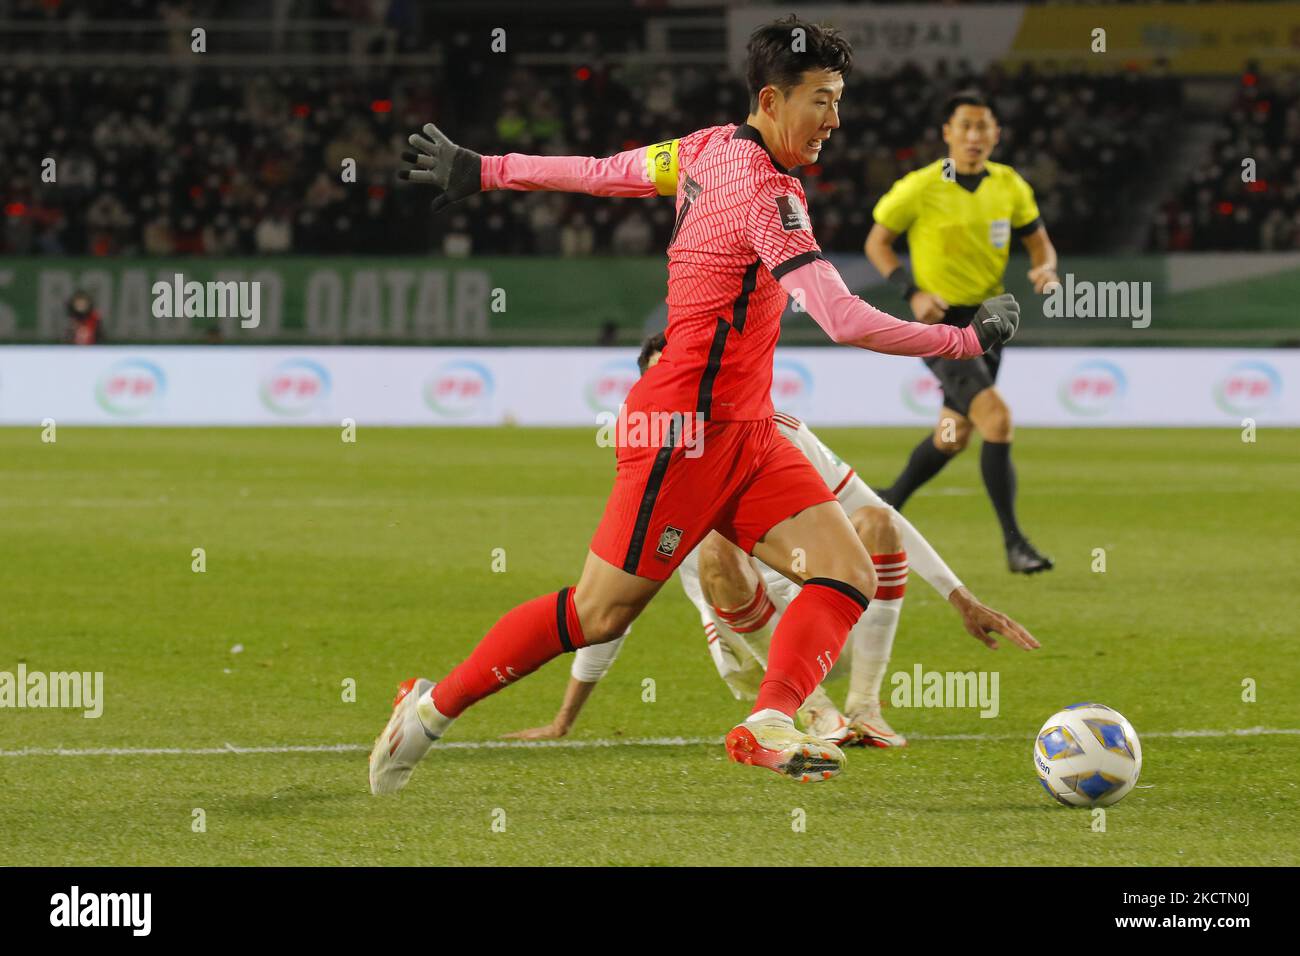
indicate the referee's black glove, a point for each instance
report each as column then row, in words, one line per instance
column 454, row 171
column 997, row 320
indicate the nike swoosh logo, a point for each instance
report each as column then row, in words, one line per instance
column 987, row 321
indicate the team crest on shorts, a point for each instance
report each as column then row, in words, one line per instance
column 669, row 540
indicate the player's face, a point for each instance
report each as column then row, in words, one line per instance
column 971, row 133
column 653, row 360
column 805, row 117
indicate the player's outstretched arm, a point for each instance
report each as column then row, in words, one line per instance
column 927, row 307
column 575, row 696
column 779, row 231
column 849, row 320
column 982, row 622
column 456, row 172
column 590, row 664
column 921, row 555
column 978, row 618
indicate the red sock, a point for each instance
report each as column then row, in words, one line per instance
column 807, row 642
column 520, row 642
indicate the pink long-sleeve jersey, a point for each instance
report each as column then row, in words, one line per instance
column 741, row 243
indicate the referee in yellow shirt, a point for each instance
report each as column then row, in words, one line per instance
column 960, row 215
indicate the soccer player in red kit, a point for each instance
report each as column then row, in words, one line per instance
column 741, row 244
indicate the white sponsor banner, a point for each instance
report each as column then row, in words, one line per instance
column 886, row 35
column 233, row 385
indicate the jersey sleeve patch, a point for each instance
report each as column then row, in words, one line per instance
column 793, row 216
column 661, row 164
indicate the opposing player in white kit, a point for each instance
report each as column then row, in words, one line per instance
column 740, row 600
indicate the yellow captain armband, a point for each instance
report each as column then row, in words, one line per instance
column 661, row 166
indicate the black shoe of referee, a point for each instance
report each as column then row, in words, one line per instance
column 1023, row 558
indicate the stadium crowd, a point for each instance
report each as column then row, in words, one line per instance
column 1245, row 195
column 208, row 163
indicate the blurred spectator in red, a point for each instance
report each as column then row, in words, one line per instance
column 84, row 326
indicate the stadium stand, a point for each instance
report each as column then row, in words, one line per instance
column 1226, row 205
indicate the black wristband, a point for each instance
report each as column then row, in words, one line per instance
column 901, row 279
column 466, row 177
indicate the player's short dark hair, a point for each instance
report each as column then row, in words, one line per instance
column 773, row 60
column 649, row 347
column 967, row 97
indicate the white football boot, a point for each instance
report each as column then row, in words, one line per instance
column 406, row 737
column 828, row 724
column 821, row 718
column 775, row 743
column 872, row 730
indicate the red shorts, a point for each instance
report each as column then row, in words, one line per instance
column 741, row 478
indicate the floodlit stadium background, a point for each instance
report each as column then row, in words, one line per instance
column 1169, row 159
column 253, row 595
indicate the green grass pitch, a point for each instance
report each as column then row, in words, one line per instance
column 372, row 561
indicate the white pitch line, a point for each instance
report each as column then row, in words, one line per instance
column 349, row 748
column 556, row 744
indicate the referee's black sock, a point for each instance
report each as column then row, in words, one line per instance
column 1000, row 482
column 926, row 462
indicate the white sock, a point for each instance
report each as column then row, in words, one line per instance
column 752, row 623
column 749, row 643
column 759, row 640
column 430, row 717
column 873, row 641
column 819, row 699
column 873, row 635
column 744, row 662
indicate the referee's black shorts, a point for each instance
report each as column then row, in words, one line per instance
column 963, row 379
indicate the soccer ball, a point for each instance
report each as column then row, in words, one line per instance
column 1087, row 756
